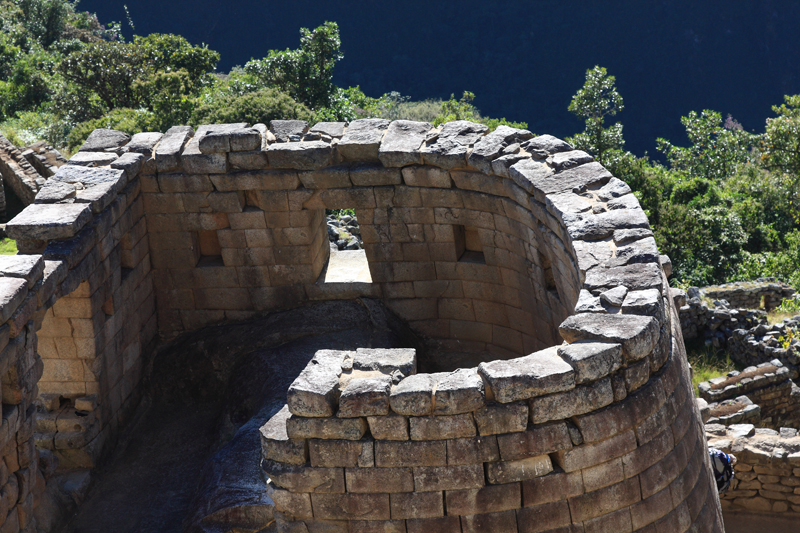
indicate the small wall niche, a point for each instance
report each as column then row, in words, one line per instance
column 468, row 245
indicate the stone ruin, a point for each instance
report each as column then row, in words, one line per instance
column 553, row 394
column 25, row 170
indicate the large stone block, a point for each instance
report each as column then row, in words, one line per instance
column 459, row 392
column 519, row 470
column 637, row 334
column 540, row 373
column 47, row 222
column 494, row 419
column 304, row 479
column 315, row 392
column 276, row 444
column 437, row 478
column 538, row 440
column 362, row 139
column 326, row 428
column 563, row 405
column 592, row 361
column 401, row 144
column 365, row 397
column 442, row 427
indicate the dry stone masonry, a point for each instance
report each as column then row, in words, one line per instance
column 768, row 468
column 556, row 396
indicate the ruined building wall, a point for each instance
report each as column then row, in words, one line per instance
column 494, row 245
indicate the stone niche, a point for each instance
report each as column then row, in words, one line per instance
column 553, row 394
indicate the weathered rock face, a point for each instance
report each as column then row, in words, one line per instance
column 487, row 266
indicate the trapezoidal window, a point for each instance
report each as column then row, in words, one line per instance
column 348, row 260
column 468, row 245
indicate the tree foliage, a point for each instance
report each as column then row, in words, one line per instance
column 596, row 100
column 305, row 74
column 717, row 148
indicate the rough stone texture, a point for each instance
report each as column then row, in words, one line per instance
column 636, row 334
column 102, row 140
column 288, row 130
column 540, row 373
column 365, row 397
column 362, row 139
column 49, row 221
column 315, row 391
column 168, row 151
column 448, row 148
column 458, row 392
column 592, row 360
column 400, row 146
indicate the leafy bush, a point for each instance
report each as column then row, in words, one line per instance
column 260, row 106
column 305, row 74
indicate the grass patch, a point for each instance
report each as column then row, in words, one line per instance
column 707, row 362
column 8, row 247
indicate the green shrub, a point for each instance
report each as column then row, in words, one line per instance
column 256, row 107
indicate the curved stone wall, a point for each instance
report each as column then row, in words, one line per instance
column 496, row 246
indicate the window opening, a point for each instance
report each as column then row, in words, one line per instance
column 348, row 260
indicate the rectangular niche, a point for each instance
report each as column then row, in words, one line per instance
column 468, row 245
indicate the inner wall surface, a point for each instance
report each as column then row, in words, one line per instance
column 502, row 301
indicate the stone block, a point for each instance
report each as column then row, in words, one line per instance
column 328, row 178
column 592, row 361
column 519, row 470
column 442, row 427
column 365, row 397
column 410, row 453
column 47, row 222
column 459, row 392
column 350, row 506
column 413, row 396
column 489, row 499
column 386, row 360
column 305, row 155
column 637, row 334
column 503, row 522
column 493, row 419
column 103, row 139
column 538, row 440
column 315, row 392
column 304, row 479
column 326, row 428
column 401, row 144
column 276, row 444
column 297, row 505
column 580, row 400
column 377, row 526
column 449, row 148
column 390, row 427
column 367, row 480
column 373, row 175
column 472, row 450
column 445, row 524
column 540, row 373
column 549, row 517
column 346, row 453
column 605, row 501
column 590, row 454
column 362, row 139
column 285, row 131
column 556, row 486
column 426, row 176
column 416, row 505
column 438, row 478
